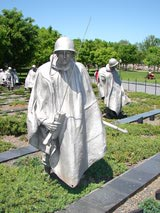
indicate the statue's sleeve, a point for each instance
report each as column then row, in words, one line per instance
column 38, row 109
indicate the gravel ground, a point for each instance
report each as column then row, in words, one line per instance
column 18, row 142
column 18, row 106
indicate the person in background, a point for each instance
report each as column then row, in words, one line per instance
column 15, row 77
column 30, row 79
column 64, row 120
column 111, row 88
column 150, row 75
column 9, row 78
column 96, row 75
column 2, row 77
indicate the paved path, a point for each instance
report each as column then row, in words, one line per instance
column 150, row 88
column 16, row 153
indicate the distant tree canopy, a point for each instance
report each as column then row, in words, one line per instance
column 22, row 44
column 152, row 57
column 18, row 38
column 45, row 45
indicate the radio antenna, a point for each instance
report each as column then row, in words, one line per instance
column 83, row 38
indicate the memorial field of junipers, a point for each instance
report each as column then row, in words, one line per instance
column 25, row 187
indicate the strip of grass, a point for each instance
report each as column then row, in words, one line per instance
column 17, row 102
column 5, row 146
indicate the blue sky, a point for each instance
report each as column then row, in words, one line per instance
column 113, row 20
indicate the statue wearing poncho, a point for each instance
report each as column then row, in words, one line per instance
column 78, row 138
column 110, row 87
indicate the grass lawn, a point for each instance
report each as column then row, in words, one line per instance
column 139, row 76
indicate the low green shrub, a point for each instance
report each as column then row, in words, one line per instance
column 26, row 188
column 19, row 91
column 13, row 125
column 3, row 89
column 141, row 142
column 150, row 205
column 5, row 146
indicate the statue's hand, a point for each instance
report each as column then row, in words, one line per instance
column 51, row 126
column 55, row 126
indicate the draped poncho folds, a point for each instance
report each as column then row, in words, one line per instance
column 110, row 87
column 81, row 140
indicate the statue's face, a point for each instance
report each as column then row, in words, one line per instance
column 64, row 57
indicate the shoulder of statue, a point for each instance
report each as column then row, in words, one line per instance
column 44, row 70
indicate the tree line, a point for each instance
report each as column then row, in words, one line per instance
column 22, row 44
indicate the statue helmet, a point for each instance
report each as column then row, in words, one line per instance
column 64, row 43
column 113, row 62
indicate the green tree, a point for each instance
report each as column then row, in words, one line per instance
column 128, row 54
column 85, row 52
column 98, row 46
column 45, row 45
column 124, row 42
column 103, row 55
column 153, row 57
column 150, row 41
column 18, row 38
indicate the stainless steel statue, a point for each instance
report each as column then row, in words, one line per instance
column 64, row 120
column 111, row 90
